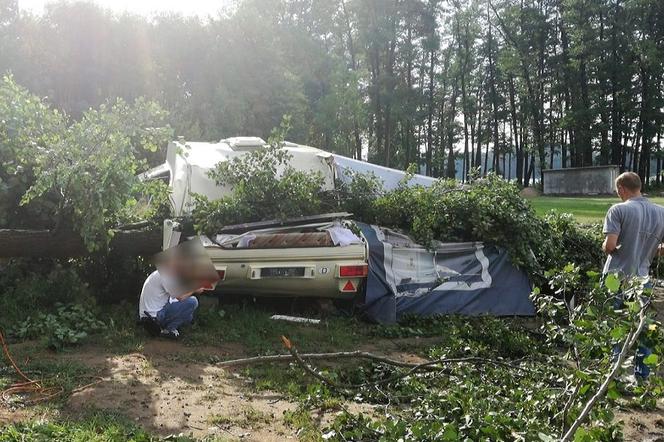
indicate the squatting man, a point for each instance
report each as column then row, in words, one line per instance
column 159, row 308
column 167, row 300
column 634, row 230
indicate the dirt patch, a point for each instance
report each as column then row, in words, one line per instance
column 166, row 396
column 643, row 426
column 8, row 416
column 171, row 389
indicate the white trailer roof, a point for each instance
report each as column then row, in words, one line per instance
column 188, row 164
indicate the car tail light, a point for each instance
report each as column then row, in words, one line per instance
column 222, row 274
column 356, row 271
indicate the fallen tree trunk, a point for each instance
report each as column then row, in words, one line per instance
column 67, row 244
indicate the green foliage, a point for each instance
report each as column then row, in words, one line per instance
column 590, row 317
column 93, row 166
column 79, row 175
column 28, row 286
column 357, row 195
column 487, row 209
column 486, row 335
column 538, row 385
column 264, row 185
column 28, row 127
column 68, row 325
column 96, row 426
column 573, row 242
column 146, row 201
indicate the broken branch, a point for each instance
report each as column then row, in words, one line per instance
column 364, row 355
column 630, row 341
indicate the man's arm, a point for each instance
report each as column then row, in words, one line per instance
column 188, row 294
column 610, row 243
column 611, row 229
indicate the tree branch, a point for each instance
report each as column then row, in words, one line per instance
column 365, row 355
column 630, row 341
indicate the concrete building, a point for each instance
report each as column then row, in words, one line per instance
column 595, row 180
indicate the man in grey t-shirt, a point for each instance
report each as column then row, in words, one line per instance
column 634, row 231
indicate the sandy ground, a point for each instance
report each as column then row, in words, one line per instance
column 168, row 396
column 166, row 392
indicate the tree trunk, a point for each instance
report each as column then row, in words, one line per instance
column 478, row 152
column 515, row 131
column 451, row 169
column 494, row 100
column 430, row 103
column 464, row 103
column 45, row 243
column 646, row 124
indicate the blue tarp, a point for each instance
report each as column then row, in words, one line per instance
column 463, row 278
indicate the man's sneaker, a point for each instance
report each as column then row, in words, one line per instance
column 170, row 334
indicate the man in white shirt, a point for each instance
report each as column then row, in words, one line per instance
column 161, row 309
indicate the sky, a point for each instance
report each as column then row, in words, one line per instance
column 201, row 8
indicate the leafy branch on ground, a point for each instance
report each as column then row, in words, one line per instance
column 538, row 401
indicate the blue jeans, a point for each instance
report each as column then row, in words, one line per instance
column 641, row 370
column 175, row 314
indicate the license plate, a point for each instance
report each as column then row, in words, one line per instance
column 282, row 272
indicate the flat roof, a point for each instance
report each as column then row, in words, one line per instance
column 610, row 166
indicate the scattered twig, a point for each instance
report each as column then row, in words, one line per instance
column 314, row 356
column 98, row 380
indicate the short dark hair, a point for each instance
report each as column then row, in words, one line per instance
column 629, row 180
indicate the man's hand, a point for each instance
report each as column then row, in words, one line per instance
column 610, row 244
column 188, row 294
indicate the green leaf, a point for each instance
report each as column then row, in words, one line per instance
column 613, row 393
column 619, row 332
column 651, row 360
column 612, row 283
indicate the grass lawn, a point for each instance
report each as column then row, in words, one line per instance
column 584, row 209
